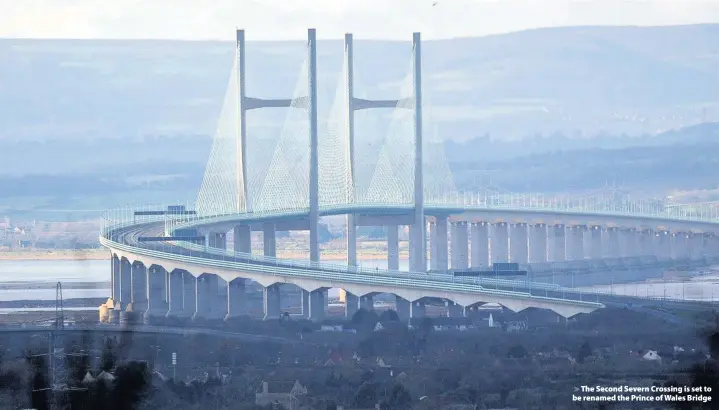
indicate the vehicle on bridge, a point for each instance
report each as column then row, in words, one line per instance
column 498, row 269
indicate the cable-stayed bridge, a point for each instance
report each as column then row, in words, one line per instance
column 175, row 261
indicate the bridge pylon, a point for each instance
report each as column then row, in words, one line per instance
column 414, row 102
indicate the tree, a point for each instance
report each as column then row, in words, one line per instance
column 366, row 395
column 389, row 315
column 364, row 317
column 584, row 351
column 517, row 352
column 399, row 398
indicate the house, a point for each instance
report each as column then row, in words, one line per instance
column 289, row 399
column 651, row 355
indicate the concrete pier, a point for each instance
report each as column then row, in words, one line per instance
column 432, row 232
column 595, row 242
column 351, row 304
column 480, row 245
column 138, row 278
column 271, row 302
column 613, row 248
column 366, row 302
column 318, row 304
column 176, row 295
column 217, row 240
column 538, row 244
column 418, row 309
column 242, row 236
column 236, row 298
column 115, row 278
column 519, row 244
column 646, row 243
column 454, row 310
column 559, row 243
column 442, row 245
column 460, row 246
column 679, row 246
column 628, row 242
column 156, row 292
column 269, row 241
column 125, row 282
column 189, row 302
column 402, row 308
column 576, row 243
column 392, row 247
column 500, row 243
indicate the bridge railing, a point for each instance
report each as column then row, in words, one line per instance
column 281, row 267
column 707, row 212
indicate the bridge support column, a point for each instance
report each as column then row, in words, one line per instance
column 613, row 250
column 392, row 247
column 518, row 245
column 176, row 295
column 696, row 246
column 351, row 241
column 318, row 303
column 559, row 243
column 220, row 306
column 576, row 249
column 236, row 298
column 205, row 297
column 712, row 245
column 628, row 242
column 646, row 243
column 271, row 301
column 189, row 302
column 417, row 252
column 480, row 245
column 125, row 283
column 454, row 310
column 242, row 235
column 538, row 244
column 401, row 306
column 460, row 246
column 595, row 242
column 366, row 302
column 351, row 304
column 664, row 245
column 417, row 309
column 440, row 239
column 139, row 287
column 679, row 246
column 432, row 246
column 115, row 277
column 156, row 293
column 269, row 242
column 305, row 296
column 217, row 240
column 500, row 243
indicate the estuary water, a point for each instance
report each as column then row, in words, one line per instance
column 35, row 280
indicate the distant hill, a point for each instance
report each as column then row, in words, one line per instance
column 573, row 80
column 134, row 118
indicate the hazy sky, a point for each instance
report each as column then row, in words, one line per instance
column 288, row 19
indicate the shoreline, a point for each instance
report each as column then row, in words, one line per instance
column 103, row 254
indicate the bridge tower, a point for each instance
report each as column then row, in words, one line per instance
column 418, row 230
column 247, row 103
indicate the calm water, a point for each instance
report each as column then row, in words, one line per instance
column 97, row 271
column 54, row 271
